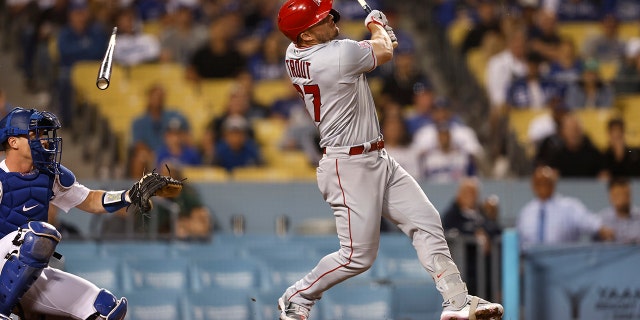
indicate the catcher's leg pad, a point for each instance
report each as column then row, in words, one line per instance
column 109, row 307
column 38, row 241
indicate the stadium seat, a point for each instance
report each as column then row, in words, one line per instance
column 204, row 250
column 78, row 249
column 267, row 301
column 206, row 174
column 227, row 272
column 296, row 162
column 401, row 264
column 159, row 274
column 262, row 174
column 155, row 305
column 416, row 301
column 628, row 30
column 355, row 302
column 103, row 272
column 594, row 122
column 608, row 70
column 222, row 303
column 266, row 92
column 457, row 30
column 136, row 250
column 578, row 32
column 281, row 273
column 169, row 75
column 519, row 120
column 269, row 132
column 215, row 94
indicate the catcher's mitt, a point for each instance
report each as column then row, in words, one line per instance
column 153, row 184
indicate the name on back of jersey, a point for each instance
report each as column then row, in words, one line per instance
column 298, row 68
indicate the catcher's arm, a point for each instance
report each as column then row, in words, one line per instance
column 151, row 184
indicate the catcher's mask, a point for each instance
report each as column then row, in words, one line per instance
column 40, row 127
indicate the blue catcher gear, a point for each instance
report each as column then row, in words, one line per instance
column 109, row 307
column 40, row 128
column 21, row 270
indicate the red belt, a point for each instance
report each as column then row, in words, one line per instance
column 360, row 149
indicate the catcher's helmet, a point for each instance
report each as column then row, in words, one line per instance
column 296, row 16
column 46, row 146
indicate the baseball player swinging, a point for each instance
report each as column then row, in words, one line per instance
column 356, row 176
column 31, row 178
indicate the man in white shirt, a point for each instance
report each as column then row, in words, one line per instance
column 552, row 219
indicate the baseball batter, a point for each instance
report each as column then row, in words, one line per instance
column 32, row 178
column 356, row 176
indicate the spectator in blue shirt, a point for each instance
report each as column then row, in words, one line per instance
column 148, row 131
column 81, row 39
column 177, row 147
column 532, row 90
column 552, row 219
column 236, row 149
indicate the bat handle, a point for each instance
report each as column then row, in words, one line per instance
column 366, row 8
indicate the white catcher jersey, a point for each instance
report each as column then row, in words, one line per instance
column 330, row 77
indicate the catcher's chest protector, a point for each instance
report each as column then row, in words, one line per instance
column 24, row 198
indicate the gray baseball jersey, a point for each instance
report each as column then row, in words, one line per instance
column 359, row 186
column 331, row 78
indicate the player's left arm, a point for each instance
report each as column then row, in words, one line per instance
column 383, row 40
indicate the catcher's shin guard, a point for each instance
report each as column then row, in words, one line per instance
column 109, row 307
column 37, row 241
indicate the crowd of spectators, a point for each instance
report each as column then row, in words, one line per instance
column 535, row 67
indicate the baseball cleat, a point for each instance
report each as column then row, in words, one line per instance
column 474, row 309
column 292, row 311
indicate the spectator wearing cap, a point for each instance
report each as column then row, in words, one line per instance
column 462, row 137
column 620, row 159
column 177, row 147
column 80, row 40
column 627, row 81
column 148, row 131
column 446, row 162
column 567, row 66
column 420, row 112
column 236, row 148
column 590, row 91
column 134, row 46
column 503, row 67
column 531, row 91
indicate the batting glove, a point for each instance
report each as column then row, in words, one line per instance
column 392, row 35
column 376, row 16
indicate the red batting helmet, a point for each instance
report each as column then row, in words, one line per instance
column 296, row 16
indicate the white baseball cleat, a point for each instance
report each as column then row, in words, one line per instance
column 292, row 311
column 474, row 309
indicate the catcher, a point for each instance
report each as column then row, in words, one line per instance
column 31, row 178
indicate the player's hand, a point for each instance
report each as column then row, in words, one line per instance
column 377, row 17
column 392, row 35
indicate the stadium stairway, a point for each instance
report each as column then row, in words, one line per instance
column 12, row 83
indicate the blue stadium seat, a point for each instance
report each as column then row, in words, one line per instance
column 78, row 249
column 206, row 250
column 222, row 304
column 357, row 302
column 156, row 305
column 267, row 305
column 398, row 261
column 229, row 272
column 159, row 274
column 282, row 273
column 270, row 250
column 134, row 249
column 103, row 272
column 416, row 301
